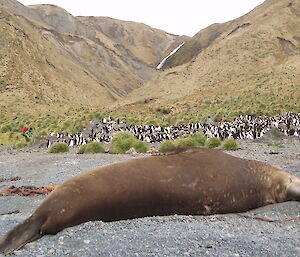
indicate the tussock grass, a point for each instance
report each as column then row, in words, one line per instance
column 213, row 142
column 186, row 142
column 140, row 146
column 4, row 139
column 82, row 149
column 199, row 138
column 163, row 110
column 20, row 145
column 229, row 144
column 192, row 140
column 95, row 115
column 91, row 148
column 5, row 128
column 167, row 145
column 123, row 141
column 59, row 148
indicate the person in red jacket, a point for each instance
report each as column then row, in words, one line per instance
column 24, row 129
column 27, row 133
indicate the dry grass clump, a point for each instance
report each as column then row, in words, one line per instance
column 123, row 141
column 91, row 148
column 59, row 148
column 186, row 142
column 191, row 140
column 167, row 145
column 20, row 145
column 213, row 142
column 198, row 137
column 229, row 144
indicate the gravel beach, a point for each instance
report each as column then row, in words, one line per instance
column 216, row 235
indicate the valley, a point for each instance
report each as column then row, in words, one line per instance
column 57, row 70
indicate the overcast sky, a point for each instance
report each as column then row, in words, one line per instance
column 181, row 17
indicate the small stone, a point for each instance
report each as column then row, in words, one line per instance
column 51, row 251
column 31, row 245
column 86, row 241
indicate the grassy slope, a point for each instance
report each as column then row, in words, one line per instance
column 40, row 86
column 45, row 73
column 254, row 70
column 38, row 76
column 247, row 70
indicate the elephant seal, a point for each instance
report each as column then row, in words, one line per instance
column 193, row 181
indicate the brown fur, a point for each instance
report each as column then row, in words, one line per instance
column 195, row 181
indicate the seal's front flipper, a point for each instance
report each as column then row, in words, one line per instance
column 293, row 191
column 26, row 232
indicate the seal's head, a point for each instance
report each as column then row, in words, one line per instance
column 293, row 190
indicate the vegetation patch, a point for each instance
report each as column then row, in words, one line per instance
column 59, row 148
column 229, row 144
column 275, row 144
column 198, row 137
column 186, row 142
column 5, row 128
column 140, row 146
column 123, row 141
column 213, row 142
column 95, row 115
column 163, row 110
column 167, row 146
column 82, row 149
column 20, row 145
column 192, row 140
column 3, row 84
column 92, row 147
column 2, row 80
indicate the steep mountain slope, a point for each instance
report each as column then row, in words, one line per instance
column 19, row 8
column 137, row 44
column 248, row 65
column 195, row 45
column 35, row 75
column 146, row 43
column 51, row 58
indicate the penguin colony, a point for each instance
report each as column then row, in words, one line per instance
column 244, row 127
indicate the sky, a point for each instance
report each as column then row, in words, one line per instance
column 180, row 17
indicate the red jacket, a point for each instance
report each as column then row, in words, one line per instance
column 24, row 129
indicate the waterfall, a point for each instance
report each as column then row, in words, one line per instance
column 161, row 64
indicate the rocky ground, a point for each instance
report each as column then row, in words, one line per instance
column 216, row 235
